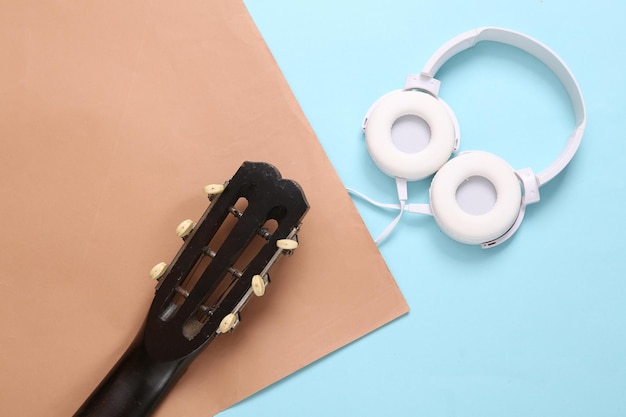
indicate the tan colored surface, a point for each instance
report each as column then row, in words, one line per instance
column 113, row 116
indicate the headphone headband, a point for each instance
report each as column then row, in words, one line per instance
column 541, row 52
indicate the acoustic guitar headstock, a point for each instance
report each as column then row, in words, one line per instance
column 252, row 221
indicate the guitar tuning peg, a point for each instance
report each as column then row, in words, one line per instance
column 213, row 190
column 258, row 285
column 184, row 228
column 287, row 244
column 158, row 270
column 228, row 323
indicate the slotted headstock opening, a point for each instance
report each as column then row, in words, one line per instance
column 205, row 256
column 223, row 288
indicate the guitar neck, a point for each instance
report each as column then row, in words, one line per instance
column 135, row 385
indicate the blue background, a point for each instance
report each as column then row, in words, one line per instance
column 535, row 327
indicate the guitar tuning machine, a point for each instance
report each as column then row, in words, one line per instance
column 158, row 270
column 259, row 283
column 213, row 190
column 184, row 228
column 288, row 245
column 229, row 323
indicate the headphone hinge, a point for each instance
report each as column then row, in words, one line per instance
column 529, row 184
column 422, row 82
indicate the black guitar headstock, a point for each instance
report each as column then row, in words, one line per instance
column 251, row 222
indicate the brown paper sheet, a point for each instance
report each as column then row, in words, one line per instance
column 113, row 116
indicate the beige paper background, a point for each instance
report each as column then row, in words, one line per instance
column 113, row 116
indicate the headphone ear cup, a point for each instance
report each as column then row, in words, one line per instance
column 457, row 222
column 414, row 165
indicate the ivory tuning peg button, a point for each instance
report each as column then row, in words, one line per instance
column 213, row 189
column 258, row 285
column 287, row 244
column 228, row 323
column 158, row 270
column 184, row 228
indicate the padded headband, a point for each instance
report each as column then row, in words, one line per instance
column 541, row 52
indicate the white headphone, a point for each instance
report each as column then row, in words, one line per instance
column 514, row 189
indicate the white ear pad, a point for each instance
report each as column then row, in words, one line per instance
column 471, row 228
column 391, row 160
